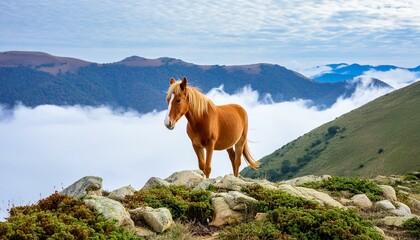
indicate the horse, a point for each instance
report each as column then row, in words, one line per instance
column 209, row 127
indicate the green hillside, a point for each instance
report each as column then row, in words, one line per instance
column 379, row 138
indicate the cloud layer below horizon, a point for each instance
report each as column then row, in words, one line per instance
column 46, row 148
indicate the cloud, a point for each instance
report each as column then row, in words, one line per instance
column 396, row 78
column 224, row 32
column 46, row 148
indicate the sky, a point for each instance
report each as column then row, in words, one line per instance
column 296, row 34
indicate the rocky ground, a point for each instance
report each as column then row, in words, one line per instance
column 398, row 203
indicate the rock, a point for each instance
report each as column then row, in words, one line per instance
column 306, row 179
column 402, row 210
column 404, row 188
column 111, row 209
column 187, row 178
column 415, row 204
column 238, row 201
column 120, row 193
column 158, row 219
column 260, row 216
column 393, row 221
column 203, row 185
column 230, row 182
column 384, row 236
column 361, row 201
column 142, row 231
column 384, row 205
column 311, row 194
column 223, row 215
column 154, row 182
column 389, row 192
column 89, row 185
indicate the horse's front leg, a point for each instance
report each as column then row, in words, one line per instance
column 209, row 155
column 199, row 151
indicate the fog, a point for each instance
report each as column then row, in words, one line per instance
column 47, row 148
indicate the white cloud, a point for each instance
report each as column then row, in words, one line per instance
column 224, row 32
column 396, row 78
column 46, row 148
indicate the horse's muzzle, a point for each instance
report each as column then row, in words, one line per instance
column 170, row 125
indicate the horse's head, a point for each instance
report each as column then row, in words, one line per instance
column 177, row 102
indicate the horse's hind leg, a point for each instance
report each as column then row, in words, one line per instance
column 199, row 151
column 231, row 153
column 239, row 148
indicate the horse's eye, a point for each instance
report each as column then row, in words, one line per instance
column 178, row 101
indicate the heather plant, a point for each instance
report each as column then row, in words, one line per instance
column 352, row 185
column 60, row 217
column 183, row 203
column 290, row 217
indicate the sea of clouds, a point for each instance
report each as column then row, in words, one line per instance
column 47, row 148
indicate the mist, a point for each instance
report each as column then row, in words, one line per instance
column 47, row 148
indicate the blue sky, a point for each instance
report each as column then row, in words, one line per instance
column 289, row 33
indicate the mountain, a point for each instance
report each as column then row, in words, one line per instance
column 382, row 137
column 343, row 72
column 35, row 78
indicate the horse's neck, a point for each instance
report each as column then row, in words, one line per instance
column 195, row 118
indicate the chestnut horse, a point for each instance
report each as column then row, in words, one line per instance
column 209, row 127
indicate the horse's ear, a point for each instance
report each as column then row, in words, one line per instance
column 184, row 83
column 172, row 81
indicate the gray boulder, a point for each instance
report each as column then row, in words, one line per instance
column 238, row 201
column 393, row 221
column 384, row 205
column 230, row 182
column 223, row 214
column 89, row 185
column 111, row 209
column 401, row 210
column 154, row 182
column 203, row 185
column 158, row 219
column 305, row 179
column 120, row 193
column 187, row 178
column 361, row 201
column 311, row 194
column 389, row 192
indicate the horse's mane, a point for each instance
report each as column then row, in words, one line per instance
column 199, row 103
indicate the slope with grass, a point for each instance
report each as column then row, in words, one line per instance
column 379, row 138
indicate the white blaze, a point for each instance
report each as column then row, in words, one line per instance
column 169, row 110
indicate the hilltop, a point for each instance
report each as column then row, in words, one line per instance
column 187, row 206
column 381, row 137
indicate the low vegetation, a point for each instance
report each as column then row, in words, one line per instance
column 291, row 217
column 184, row 204
column 59, row 217
column 351, row 185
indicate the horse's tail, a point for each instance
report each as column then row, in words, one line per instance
column 247, row 154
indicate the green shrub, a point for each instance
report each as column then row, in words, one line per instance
column 353, row 185
column 272, row 199
column 290, row 217
column 253, row 230
column 183, row 203
column 413, row 224
column 60, row 217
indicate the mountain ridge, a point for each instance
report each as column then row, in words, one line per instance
column 35, row 78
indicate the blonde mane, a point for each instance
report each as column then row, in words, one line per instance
column 198, row 102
